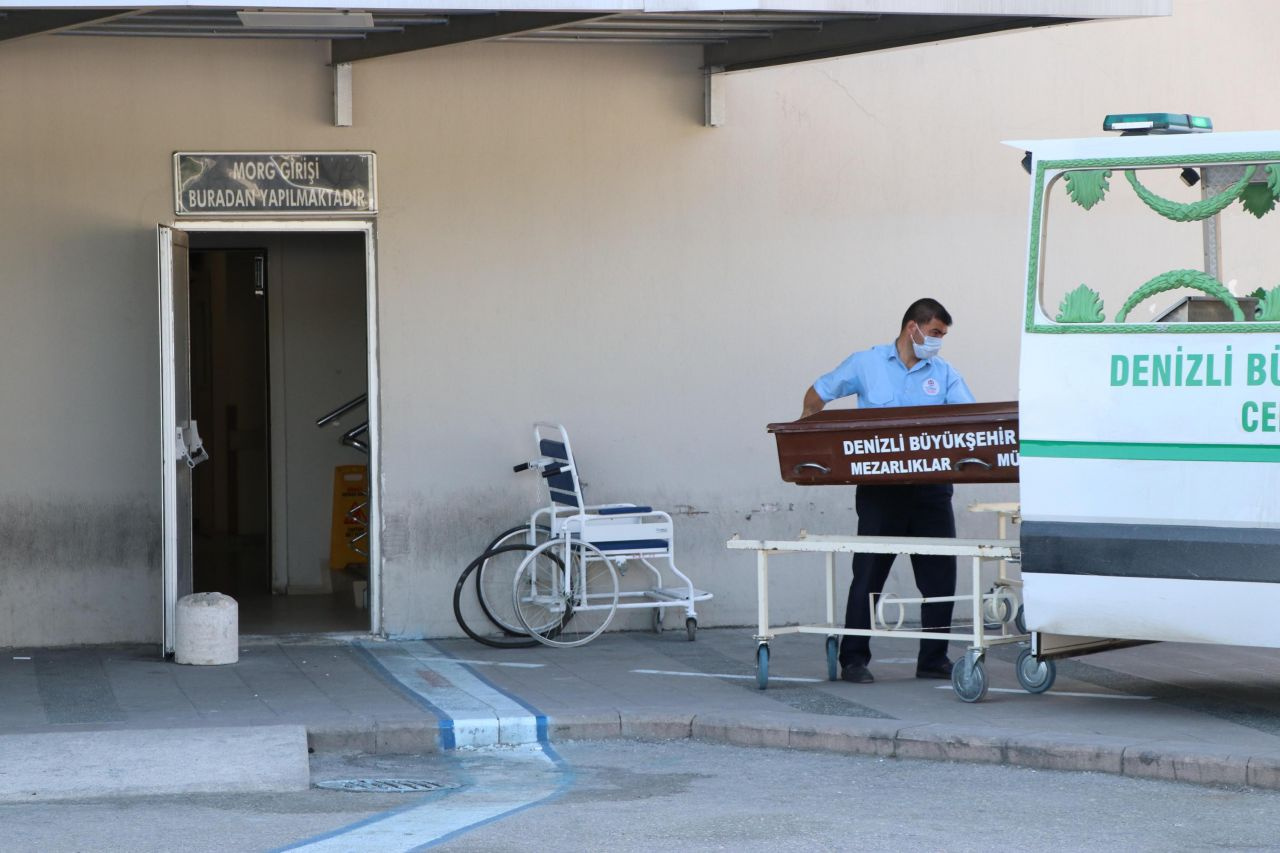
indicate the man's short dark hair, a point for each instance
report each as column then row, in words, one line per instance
column 922, row 311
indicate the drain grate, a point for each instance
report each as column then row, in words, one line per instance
column 385, row 786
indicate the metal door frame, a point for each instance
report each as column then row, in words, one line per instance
column 167, row 238
column 369, row 230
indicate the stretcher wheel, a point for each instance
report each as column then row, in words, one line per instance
column 657, row 620
column 1035, row 676
column 994, row 609
column 691, row 628
column 969, row 679
column 1020, row 621
column 1000, row 608
column 762, row 665
column 833, row 659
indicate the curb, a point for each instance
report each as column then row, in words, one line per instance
column 1194, row 763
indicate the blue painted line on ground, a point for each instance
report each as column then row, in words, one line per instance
column 526, row 772
column 482, row 714
column 568, row 777
column 539, row 717
column 445, row 722
column 360, row 824
column 567, row 780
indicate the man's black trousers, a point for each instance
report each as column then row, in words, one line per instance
column 919, row 510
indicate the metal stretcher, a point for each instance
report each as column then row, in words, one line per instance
column 993, row 614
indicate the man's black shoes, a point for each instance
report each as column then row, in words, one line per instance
column 857, row 673
column 937, row 670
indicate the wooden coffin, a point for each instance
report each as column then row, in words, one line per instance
column 966, row 443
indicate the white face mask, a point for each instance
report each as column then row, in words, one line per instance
column 929, row 348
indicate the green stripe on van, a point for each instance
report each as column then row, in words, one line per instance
column 1152, row 451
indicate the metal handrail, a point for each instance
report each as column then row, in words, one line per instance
column 342, row 410
column 351, row 438
column 357, row 516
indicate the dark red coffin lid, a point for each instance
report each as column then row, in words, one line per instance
column 899, row 417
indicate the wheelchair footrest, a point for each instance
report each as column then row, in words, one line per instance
column 679, row 593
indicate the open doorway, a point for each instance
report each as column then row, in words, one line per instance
column 230, row 399
column 278, row 339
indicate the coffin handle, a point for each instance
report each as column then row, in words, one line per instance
column 821, row 469
column 971, row 460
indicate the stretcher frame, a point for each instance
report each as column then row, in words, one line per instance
column 1000, row 604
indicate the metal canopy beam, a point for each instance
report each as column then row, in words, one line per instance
column 461, row 28
column 31, row 22
column 839, row 38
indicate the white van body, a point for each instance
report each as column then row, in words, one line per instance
column 1150, row 449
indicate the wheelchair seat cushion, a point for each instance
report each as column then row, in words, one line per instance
column 633, row 545
column 619, row 510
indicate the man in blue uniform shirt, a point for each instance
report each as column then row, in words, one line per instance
column 907, row 372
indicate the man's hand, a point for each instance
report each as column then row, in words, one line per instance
column 812, row 403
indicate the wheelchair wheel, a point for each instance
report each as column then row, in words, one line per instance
column 520, row 534
column 497, row 571
column 569, row 607
column 472, row 619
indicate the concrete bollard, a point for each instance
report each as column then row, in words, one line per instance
column 207, row 630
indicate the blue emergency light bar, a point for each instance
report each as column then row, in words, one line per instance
column 1143, row 123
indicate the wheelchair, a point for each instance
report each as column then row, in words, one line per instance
column 556, row 580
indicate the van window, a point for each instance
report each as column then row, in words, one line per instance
column 1122, row 247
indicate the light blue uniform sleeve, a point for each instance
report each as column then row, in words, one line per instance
column 957, row 390
column 844, row 381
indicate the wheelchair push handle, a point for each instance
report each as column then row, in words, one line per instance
column 544, row 465
column 538, row 464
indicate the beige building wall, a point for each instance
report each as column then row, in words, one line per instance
column 559, row 238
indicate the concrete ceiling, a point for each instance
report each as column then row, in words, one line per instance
column 737, row 36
